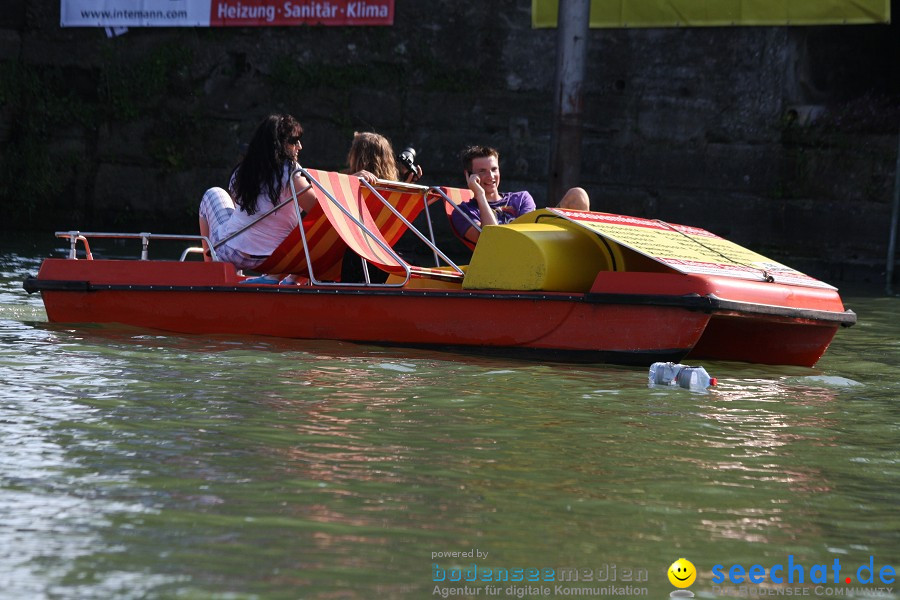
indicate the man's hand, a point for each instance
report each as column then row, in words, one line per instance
column 484, row 208
column 474, row 182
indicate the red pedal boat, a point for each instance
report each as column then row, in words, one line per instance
column 558, row 284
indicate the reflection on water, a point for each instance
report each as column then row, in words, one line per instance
column 142, row 465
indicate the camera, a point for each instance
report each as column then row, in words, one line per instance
column 407, row 158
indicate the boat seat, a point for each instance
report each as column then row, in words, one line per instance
column 341, row 220
column 327, row 247
column 453, row 197
column 326, row 250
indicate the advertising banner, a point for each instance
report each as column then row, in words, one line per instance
column 705, row 13
column 687, row 249
column 224, row 13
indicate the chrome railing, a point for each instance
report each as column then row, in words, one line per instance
column 82, row 236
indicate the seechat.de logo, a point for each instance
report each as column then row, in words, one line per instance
column 794, row 572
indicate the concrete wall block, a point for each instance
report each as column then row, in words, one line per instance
column 673, row 120
column 848, row 230
column 12, row 14
column 835, row 167
column 10, row 44
column 122, row 142
column 376, row 106
column 133, row 197
column 738, row 217
column 743, row 169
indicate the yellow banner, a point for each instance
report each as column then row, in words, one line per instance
column 686, row 249
column 707, row 13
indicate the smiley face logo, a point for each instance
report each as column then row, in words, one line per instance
column 682, row 573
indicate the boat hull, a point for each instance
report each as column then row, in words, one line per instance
column 774, row 340
column 626, row 317
column 207, row 298
column 751, row 321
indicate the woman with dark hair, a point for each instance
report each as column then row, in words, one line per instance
column 259, row 183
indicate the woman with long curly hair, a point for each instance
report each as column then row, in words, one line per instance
column 371, row 157
column 258, row 184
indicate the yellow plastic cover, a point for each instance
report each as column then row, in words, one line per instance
column 706, row 13
column 536, row 256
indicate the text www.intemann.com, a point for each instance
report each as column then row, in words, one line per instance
column 134, row 14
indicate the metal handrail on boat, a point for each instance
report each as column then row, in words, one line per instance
column 430, row 243
column 374, row 236
column 294, row 202
column 388, row 185
column 430, row 195
column 455, row 207
column 291, row 200
column 356, row 222
column 190, row 250
column 82, row 236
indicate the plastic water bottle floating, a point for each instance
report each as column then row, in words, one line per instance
column 686, row 376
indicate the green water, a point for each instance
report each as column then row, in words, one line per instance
column 140, row 465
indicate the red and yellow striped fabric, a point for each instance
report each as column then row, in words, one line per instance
column 407, row 203
column 457, row 196
column 326, row 250
column 345, row 189
column 326, row 247
column 329, row 231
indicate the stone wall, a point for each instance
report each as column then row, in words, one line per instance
column 782, row 139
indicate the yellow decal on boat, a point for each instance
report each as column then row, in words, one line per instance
column 679, row 247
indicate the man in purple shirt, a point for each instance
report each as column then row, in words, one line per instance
column 489, row 206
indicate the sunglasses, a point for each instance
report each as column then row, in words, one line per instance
column 294, row 140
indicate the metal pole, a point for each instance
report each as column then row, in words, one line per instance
column 892, row 243
column 571, row 57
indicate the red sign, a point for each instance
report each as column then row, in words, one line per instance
column 256, row 13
